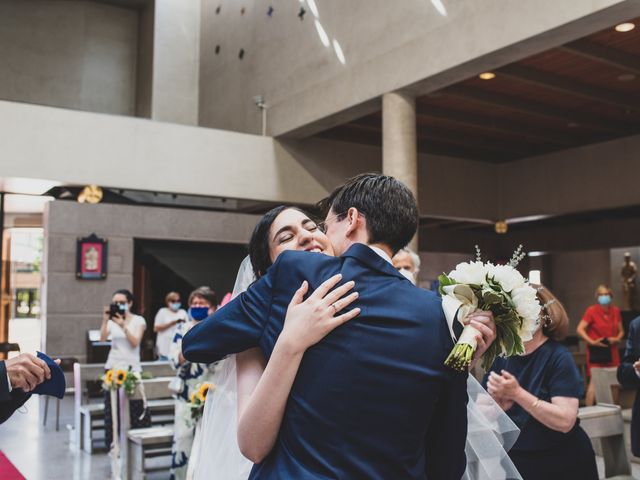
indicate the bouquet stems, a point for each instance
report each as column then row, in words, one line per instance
column 462, row 353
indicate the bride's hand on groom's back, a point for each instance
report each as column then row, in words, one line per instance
column 309, row 321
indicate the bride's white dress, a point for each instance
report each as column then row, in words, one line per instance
column 215, row 453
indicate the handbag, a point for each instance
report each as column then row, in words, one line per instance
column 599, row 354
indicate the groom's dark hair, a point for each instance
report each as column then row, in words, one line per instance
column 387, row 204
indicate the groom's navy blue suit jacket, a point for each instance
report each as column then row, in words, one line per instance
column 373, row 399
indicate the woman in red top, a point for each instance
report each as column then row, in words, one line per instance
column 601, row 327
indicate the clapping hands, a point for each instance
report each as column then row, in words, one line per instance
column 503, row 388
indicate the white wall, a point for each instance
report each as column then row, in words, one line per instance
column 73, row 54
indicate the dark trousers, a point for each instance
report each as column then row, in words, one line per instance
column 136, row 408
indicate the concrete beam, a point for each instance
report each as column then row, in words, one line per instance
column 84, row 148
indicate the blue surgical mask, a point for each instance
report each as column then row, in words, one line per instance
column 604, row 299
column 199, row 313
column 175, row 306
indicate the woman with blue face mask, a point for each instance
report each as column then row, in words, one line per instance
column 601, row 328
column 189, row 377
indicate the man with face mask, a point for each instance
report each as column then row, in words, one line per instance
column 407, row 262
column 165, row 323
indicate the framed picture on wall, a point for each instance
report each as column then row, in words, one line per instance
column 91, row 258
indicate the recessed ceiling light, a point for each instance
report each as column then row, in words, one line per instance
column 626, row 77
column 625, row 27
column 487, row 75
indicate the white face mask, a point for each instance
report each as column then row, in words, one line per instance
column 408, row 275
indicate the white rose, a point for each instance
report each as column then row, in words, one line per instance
column 526, row 301
column 528, row 328
column 507, row 276
column 470, row 273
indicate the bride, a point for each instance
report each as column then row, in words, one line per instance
column 243, row 415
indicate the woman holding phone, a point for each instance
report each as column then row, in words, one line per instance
column 126, row 330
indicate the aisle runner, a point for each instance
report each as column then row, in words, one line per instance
column 7, row 470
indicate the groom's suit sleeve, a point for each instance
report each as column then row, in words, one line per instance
column 447, row 434
column 234, row 328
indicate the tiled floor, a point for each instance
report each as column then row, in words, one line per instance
column 41, row 453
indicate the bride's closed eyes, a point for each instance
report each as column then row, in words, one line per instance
column 290, row 232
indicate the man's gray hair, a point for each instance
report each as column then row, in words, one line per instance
column 415, row 258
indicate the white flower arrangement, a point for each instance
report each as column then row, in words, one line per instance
column 500, row 289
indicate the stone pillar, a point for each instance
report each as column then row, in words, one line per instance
column 169, row 61
column 399, row 142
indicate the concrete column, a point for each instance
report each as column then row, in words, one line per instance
column 175, row 64
column 399, row 143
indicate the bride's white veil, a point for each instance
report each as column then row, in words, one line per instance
column 490, row 435
column 215, row 454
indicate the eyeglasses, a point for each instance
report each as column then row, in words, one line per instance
column 322, row 226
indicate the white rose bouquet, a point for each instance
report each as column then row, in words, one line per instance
column 500, row 289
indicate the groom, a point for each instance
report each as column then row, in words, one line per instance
column 373, row 399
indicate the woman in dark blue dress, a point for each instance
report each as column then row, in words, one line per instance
column 540, row 391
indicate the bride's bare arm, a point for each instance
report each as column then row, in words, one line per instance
column 263, row 390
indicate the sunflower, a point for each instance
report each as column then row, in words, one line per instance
column 108, row 378
column 203, row 390
column 121, row 376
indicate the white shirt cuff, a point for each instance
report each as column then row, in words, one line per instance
column 9, row 382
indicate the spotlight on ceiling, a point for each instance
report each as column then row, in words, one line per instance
column 487, row 75
column 501, row 227
column 625, row 27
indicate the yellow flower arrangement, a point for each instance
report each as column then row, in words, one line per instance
column 203, row 390
column 198, row 398
column 121, row 377
column 108, row 378
column 127, row 379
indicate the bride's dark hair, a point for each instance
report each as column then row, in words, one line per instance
column 259, row 243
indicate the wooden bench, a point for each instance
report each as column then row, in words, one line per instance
column 89, row 417
column 139, row 445
column 604, row 422
column 146, row 443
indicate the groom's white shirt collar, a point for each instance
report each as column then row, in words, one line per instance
column 382, row 253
